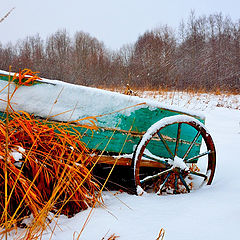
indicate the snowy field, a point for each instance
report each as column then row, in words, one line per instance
column 213, row 212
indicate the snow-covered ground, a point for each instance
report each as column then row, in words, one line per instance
column 194, row 101
column 212, row 212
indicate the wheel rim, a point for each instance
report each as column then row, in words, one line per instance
column 182, row 170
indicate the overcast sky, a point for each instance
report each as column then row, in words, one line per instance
column 115, row 22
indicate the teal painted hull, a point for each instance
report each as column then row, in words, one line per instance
column 119, row 130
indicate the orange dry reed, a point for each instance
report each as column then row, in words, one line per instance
column 47, row 168
column 26, row 77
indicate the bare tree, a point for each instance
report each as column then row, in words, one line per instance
column 152, row 58
column 204, row 55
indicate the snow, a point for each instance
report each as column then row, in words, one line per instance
column 194, row 101
column 66, row 102
column 212, row 212
column 140, row 191
column 17, row 156
column 179, row 163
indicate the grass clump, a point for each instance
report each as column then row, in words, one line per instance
column 44, row 167
column 47, row 170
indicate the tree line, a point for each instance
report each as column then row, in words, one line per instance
column 203, row 54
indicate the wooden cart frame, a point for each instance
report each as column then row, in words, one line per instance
column 169, row 149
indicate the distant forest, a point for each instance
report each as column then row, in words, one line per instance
column 202, row 55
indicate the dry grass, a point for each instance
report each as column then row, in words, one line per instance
column 113, row 237
column 44, row 167
column 161, row 234
column 163, row 90
column 190, row 98
column 52, row 174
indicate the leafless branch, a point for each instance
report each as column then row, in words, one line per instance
column 2, row 19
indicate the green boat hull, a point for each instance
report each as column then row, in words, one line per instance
column 119, row 132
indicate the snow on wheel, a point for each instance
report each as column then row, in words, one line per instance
column 175, row 155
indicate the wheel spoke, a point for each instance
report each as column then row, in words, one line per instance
column 175, row 184
column 190, row 160
column 178, row 138
column 163, row 184
column 150, row 156
column 165, row 144
column 192, row 143
column 199, row 174
column 148, row 178
column 184, row 182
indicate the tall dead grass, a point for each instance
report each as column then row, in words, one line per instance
column 44, row 167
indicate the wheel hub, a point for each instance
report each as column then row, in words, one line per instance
column 178, row 163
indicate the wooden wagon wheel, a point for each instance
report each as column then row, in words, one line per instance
column 184, row 167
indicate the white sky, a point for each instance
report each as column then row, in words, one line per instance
column 115, row 22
